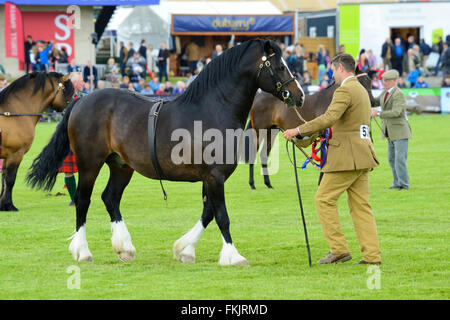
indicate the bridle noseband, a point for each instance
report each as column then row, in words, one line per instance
column 279, row 85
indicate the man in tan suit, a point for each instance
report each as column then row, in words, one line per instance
column 395, row 128
column 350, row 158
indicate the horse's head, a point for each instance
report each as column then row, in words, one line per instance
column 275, row 77
column 63, row 92
column 366, row 82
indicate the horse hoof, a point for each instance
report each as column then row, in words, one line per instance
column 121, row 241
column 8, row 207
column 186, row 259
column 126, row 256
column 229, row 256
column 183, row 253
column 241, row 263
column 86, row 258
column 269, row 186
column 252, row 186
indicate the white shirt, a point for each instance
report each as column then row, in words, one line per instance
column 390, row 90
column 346, row 79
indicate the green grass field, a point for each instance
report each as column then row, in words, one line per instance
column 266, row 227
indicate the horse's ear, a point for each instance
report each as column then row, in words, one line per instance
column 268, row 47
column 65, row 78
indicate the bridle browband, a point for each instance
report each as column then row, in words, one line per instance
column 279, row 85
column 58, row 89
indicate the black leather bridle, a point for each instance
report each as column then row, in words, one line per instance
column 279, row 90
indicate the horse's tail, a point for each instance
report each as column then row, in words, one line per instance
column 249, row 147
column 44, row 169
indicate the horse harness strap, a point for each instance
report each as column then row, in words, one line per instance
column 60, row 87
column 12, row 114
column 299, row 115
column 152, row 124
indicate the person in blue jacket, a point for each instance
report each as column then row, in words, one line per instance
column 43, row 55
column 413, row 76
column 421, row 83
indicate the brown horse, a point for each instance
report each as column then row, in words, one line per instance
column 21, row 105
column 270, row 113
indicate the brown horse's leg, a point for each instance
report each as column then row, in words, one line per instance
column 9, row 173
column 121, row 240
column 253, row 151
column 264, row 155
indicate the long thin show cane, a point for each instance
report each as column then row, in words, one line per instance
column 301, row 205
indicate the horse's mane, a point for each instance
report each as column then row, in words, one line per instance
column 216, row 72
column 19, row 84
column 330, row 85
column 358, row 73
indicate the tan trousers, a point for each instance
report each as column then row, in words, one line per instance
column 356, row 183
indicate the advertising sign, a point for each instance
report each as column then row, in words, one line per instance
column 14, row 43
column 50, row 26
column 220, row 24
column 349, row 28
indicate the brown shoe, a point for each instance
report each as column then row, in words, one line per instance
column 365, row 262
column 335, row 258
column 72, row 204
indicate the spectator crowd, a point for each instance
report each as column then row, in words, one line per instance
column 145, row 69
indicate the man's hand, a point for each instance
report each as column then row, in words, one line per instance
column 374, row 112
column 290, row 133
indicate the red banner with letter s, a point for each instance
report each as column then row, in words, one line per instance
column 50, row 25
column 14, row 42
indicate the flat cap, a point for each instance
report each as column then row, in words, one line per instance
column 391, row 75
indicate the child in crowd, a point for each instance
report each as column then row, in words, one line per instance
column 401, row 83
column 125, row 82
column 323, row 85
column 168, row 89
column 162, row 88
column 180, row 88
column 446, row 82
column 421, row 83
column 413, row 75
column 154, row 84
column 376, row 82
column 147, row 90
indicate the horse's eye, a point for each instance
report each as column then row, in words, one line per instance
column 283, row 68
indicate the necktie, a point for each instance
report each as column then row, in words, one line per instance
column 385, row 96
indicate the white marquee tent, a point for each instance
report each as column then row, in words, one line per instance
column 152, row 23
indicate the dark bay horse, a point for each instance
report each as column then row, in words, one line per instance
column 111, row 126
column 269, row 113
column 21, row 104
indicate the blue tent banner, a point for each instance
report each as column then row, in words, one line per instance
column 232, row 24
column 83, row 2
